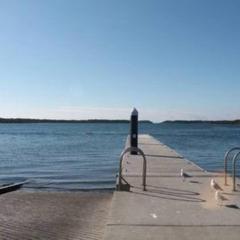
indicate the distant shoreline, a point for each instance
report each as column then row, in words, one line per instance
column 237, row 121
column 29, row 120
column 32, row 120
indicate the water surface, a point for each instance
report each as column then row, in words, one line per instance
column 81, row 156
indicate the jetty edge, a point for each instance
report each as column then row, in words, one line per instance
column 171, row 207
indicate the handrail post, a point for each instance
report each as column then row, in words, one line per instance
column 225, row 162
column 234, row 170
column 138, row 150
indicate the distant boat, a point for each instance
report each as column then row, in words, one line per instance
column 11, row 187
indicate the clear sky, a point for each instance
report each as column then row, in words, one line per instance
column 75, row 59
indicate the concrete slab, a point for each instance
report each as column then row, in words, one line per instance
column 171, row 208
column 172, row 232
column 166, row 203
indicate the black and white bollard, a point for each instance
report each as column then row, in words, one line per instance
column 134, row 130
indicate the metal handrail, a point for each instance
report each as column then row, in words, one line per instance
column 138, row 150
column 225, row 162
column 234, row 170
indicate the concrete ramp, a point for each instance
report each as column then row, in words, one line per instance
column 172, row 207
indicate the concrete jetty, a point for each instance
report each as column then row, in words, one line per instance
column 171, row 207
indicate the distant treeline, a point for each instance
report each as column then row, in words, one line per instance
column 27, row 120
column 210, row 122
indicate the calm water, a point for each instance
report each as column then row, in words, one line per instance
column 68, row 156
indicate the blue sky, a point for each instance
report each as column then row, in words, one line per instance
column 98, row 59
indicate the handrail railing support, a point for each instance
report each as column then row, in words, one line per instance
column 225, row 162
column 234, row 170
column 138, row 150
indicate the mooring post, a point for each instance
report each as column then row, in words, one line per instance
column 134, row 130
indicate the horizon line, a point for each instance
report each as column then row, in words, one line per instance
column 20, row 119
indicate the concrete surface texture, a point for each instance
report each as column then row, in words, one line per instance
column 53, row 215
column 172, row 207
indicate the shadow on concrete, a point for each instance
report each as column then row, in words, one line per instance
column 169, row 196
column 232, row 193
column 174, row 190
column 169, row 193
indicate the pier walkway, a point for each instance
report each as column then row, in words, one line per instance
column 171, row 208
